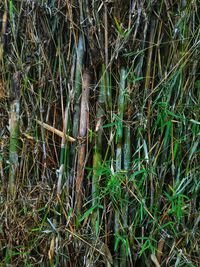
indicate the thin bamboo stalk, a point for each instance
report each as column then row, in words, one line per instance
column 148, row 86
column 118, row 168
column 126, row 167
column 62, row 152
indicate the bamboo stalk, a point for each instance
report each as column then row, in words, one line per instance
column 62, row 152
column 118, row 168
column 97, row 157
column 126, row 167
column 14, row 134
column 84, row 120
column 78, row 76
column 3, row 30
column 148, row 86
column 106, row 32
column 80, row 51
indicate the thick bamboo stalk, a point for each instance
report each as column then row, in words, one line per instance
column 3, row 30
column 83, row 126
column 14, row 134
column 80, row 50
column 97, row 157
column 14, row 144
column 141, row 59
column 77, row 84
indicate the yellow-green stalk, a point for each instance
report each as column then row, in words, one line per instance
column 119, row 136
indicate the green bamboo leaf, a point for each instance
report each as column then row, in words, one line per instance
column 137, row 173
column 88, row 212
column 118, row 26
column 193, row 149
column 109, row 125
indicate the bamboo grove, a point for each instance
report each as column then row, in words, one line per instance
column 99, row 133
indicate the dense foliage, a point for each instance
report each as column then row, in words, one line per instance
column 99, row 133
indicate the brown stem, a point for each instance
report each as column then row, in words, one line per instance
column 82, row 134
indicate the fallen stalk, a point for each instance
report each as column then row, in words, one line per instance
column 55, row 131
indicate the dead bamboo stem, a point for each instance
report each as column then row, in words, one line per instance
column 55, row 131
column 84, row 119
